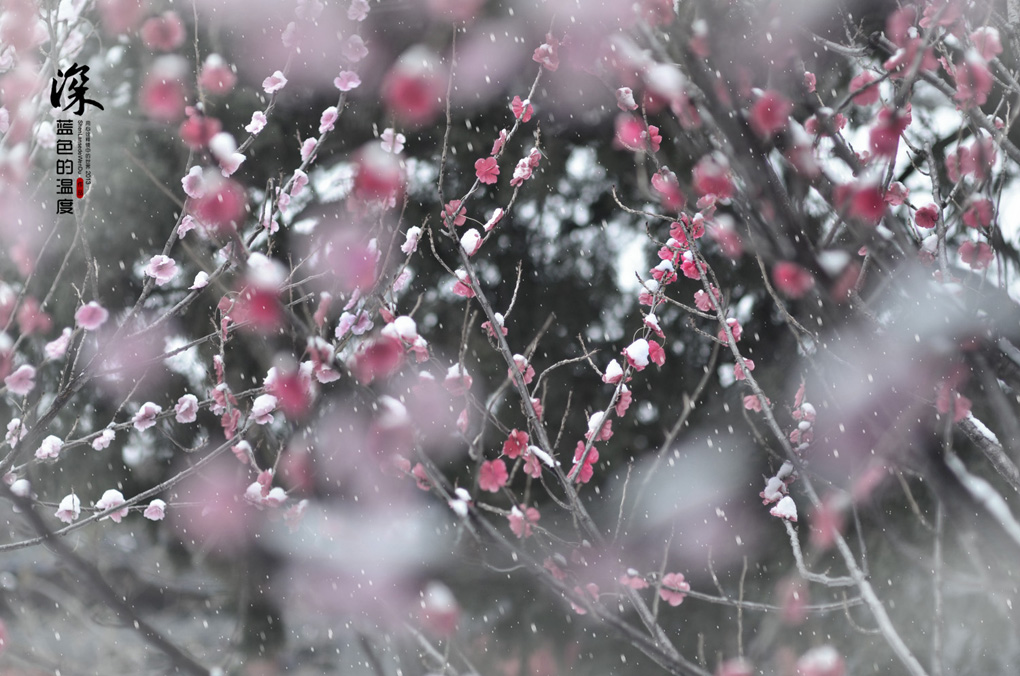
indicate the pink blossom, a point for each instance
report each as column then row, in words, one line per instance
column 162, row 95
column 308, row 149
column 493, row 475
column 216, row 76
column 454, row 214
column 163, row 33
column 623, row 403
column 867, row 95
column 633, row 579
column 927, row 216
column 673, row 588
column 410, row 244
column 146, row 416
column 487, row 170
column 347, row 80
column 740, row 370
column 979, row 213
column 257, row 124
column 821, row 661
column 527, row 371
column 515, row 444
column 102, row 441
column 521, row 519
column 187, row 225
column 262, row 408
column 585, row 472
column 498, row 144
column 186, row 410
column 973, row 82
column 69, row 508
column 274, row 82
column 522, row 172
column 706, row 303
column 91, row 316
column 358, row 10
column 522, row 110
column 111, row 499
column 471, row 241
column 770, row 113
column 156, row 510
column 810, row 81
column 987, row 41
column 55, row 349
column 791, row 279
column 162, row 268
column 457, row 380
column 392, row 142
column 896, row 194
column 49, row 448
column 656, row 353
column 625, row 99
column 637, row 354
column 977, row 256
column 462, row 287
column 547, row 53
column 15, row 432
column 614, row 373
column 22, row 381
column 785, row 509
column 885, row 135
column 194, row 182
column 354, row 49
column 328, row 119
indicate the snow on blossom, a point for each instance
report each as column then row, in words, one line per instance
column 526, row 369
column 546, row 459
column 274, row 82
column 406, row 328
column 522, row 110
column 471, row 241
column 102, row 441
column 410, row 244
column 194, row 183
column 614, row 373
column 257, row 124
column 22, row 488
column 161, row 268
column 15, row 432
column 821, row 661
column 69, row 508
column 494, row 219
column 785, row 509
column 521, row 519
column 156, row 510
column 186, row 410
column 625, row 99
column 201, row 281
column 637, row 354
column 49, row 448
column 146, row 416
column 22, row 381
column 673, row 588
column 91, row 316
column 547, row 53
column 111, row 499
column 347, row 80
column 492, row 475
column 457, row 380
column 633, row 579
column 262, row 408
column 391, row 141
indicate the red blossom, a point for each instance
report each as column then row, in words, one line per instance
column 487, row 170
column 770, row 113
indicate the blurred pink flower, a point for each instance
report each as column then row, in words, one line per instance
column 673, row 587
column 347, row 80
column 91, row 316
column 163, row 33
column 22, row 381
